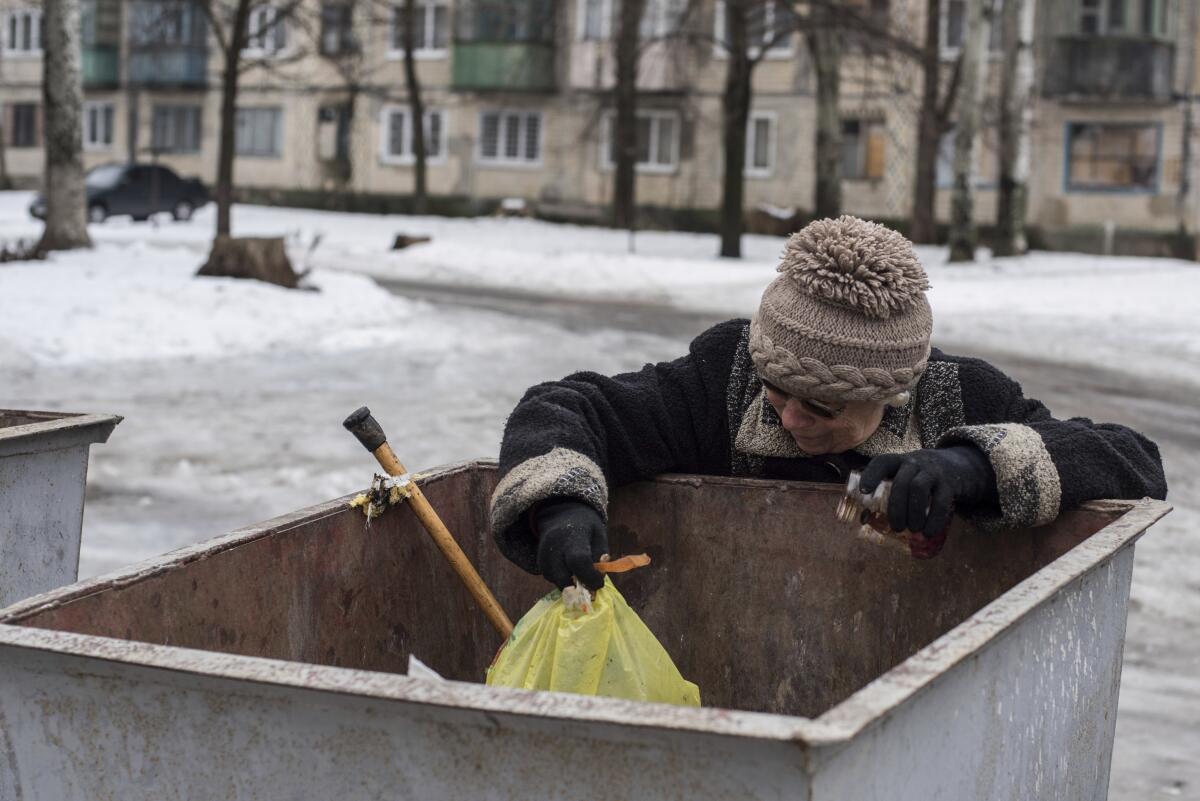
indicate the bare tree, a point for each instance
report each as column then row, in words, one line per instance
column 746, row 41
column 416, row 109
column 5, row 180
column 230, row 24
column 825, row 47
column 933, row 123
column 963, row 234
column 624, row 132
column 1016, row 118
column 62, row 93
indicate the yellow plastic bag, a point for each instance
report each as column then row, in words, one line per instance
column 605, row 651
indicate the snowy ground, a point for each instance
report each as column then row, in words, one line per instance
column 233, row 392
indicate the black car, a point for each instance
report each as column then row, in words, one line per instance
column 138, row 190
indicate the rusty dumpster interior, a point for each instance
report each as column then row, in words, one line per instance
column 759, row 595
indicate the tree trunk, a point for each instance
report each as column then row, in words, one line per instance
column 1016, row 118
column 824, row 43
column 229, row 90
column 416, row 109
column 929, row 133
column 624, row 133
column 963, row 235
column 735, row 115
column 5, row 181
column 62, row 93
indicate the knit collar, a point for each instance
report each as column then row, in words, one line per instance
column 761, row 432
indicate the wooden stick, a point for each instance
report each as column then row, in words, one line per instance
column 363, row 426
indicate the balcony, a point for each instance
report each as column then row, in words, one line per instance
column 1114, row 68
column 167, row 67
column 504, row 66
column 101, row 66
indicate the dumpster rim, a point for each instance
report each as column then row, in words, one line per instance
column 879, row 699
column 60, row 430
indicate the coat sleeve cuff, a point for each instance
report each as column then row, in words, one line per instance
column 561, row 473
column 1027, row 482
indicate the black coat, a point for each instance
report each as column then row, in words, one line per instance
column 706, row 413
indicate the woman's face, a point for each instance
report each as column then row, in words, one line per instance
column 821, row 428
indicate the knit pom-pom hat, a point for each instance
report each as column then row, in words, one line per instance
column 847, row 319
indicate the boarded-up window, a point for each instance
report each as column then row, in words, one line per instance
column 864, row 149
column 1112, row 157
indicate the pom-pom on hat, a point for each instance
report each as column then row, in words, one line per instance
column 847, row 318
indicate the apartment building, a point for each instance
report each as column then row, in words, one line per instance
column 518, row 99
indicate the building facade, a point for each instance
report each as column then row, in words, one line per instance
column 518, row 99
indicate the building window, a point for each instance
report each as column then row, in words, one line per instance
column 166, row 24
column 97, row 126
column 657, row 141
column 397, row 145
column 760, row 144
column 505, row 20
column 176, row 129
column 432, row 25
column 768, row 26
column 1118, row 17
column 22, row 35
column 333, row 132
column 23, row 124
column 864, row 149
column 954, row 27
column 661, row 18
column 258, row 132
column 985, row 173
column 266, row 32
column 510, row 137
column 337, row 29
column 1112, row 157
column 595, row 19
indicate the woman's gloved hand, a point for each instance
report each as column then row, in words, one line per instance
column 926, row 486
column 571, row 538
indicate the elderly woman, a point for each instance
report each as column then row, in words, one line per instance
column 834, row 373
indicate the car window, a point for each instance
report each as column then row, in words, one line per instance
column 165, row 177
column 104, row 177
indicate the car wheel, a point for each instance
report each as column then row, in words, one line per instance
column 97, row 213
column 182, row 211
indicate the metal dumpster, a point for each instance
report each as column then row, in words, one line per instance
column 265, row 664
column 43, row 469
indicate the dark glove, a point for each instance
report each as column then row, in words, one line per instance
column 571, row 537
column 926, row 486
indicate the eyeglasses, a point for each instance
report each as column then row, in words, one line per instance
column 815, row 407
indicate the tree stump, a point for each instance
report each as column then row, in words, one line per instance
column 403, row 241
column 260, row 258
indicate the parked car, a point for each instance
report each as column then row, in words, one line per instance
column 138, row 190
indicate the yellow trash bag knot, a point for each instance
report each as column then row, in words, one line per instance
column 591, row 646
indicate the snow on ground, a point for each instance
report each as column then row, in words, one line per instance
column 233, row 391
column 1140, row 314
